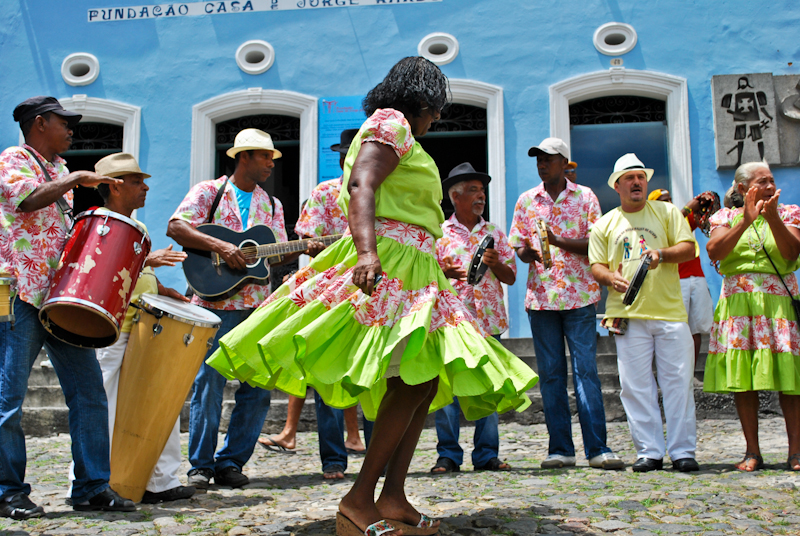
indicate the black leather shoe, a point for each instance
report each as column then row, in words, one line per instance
column 19, row 506
column 684, row 465
column 107, row 500
column 174, row 494
column 231, row 476
column 644, row 465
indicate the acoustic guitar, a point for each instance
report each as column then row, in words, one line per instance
column 213, row 280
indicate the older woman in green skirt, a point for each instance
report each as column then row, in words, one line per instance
column 755, row 341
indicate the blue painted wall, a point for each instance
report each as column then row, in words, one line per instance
column 167, row 65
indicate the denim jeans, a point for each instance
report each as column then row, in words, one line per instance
column 247, row 418
column 486, row 439
column 578, row 326
column 82, row 383
column 330, row 431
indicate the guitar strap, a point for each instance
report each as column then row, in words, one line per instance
column 217, row 199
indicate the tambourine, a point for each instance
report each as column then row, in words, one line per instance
column 707, row 209
column 544, row 244
column 638, row 280
column 476, row 267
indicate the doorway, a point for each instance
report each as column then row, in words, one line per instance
column 459, row 136
column 284, row 182
column 91, row 142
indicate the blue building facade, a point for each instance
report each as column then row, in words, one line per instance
column 171, row 74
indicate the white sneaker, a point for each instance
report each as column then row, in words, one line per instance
column 557, row 461
column 607, row 460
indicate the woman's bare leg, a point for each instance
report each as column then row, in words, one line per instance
column 747, row 408
column 287, row 437
column 398, row 410
column 353, row 440
column 790, row 404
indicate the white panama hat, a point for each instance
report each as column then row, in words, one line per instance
column 625, row 163
column 252, row 139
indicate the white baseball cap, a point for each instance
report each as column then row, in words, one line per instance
column 625, row 163
column 550, row 146
column 252, row 139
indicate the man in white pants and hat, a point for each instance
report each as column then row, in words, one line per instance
column 123, row 199
column 655, row 323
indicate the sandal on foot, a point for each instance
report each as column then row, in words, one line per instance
column 742, row 465
column 425, row 527
column 495, row 464
column 275, row 446
column 447, row 464
column 794, row 459
column 331, row 471
column 345, row 527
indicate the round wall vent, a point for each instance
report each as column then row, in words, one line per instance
column 80, row 69
column 440, row 48
column 255, row 57
column 615, row 38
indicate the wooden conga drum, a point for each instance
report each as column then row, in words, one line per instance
column 8, row 291
column 168, row 342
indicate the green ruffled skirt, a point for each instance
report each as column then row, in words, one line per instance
column 755, row 340
column 318, row 329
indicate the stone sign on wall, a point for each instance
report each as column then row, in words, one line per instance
column 756, row 117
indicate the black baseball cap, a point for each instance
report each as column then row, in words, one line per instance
column 30, row 108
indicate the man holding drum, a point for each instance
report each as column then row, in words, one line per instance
column 561, row 302
column 463, row 233
column 35, row 206
column 124, row 199
column 241, row 205
column 656, row 319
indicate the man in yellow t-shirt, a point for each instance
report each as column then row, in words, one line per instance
column 656, row 320
column 124, row 199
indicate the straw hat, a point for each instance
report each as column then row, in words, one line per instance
column 117, row 165
column 252, row 139
column 625, row 163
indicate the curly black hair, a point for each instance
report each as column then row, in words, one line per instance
column 412, row 80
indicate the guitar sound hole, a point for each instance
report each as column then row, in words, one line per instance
column 250, row 255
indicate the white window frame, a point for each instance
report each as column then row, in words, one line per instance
column 252, row 101
column 98, row 110
column 490, row 97
column 621, row 81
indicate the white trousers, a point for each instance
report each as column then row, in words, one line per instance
column 699, row 307
column 165, row 473
column 672, row 344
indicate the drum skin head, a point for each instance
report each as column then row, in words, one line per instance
column 179, row 310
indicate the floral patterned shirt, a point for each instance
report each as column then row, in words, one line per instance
column 194, row 209
column 568, row 284
column 321, row 215
column 484, row 301
column 31, row 243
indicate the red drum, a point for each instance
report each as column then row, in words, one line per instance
column 90, row 293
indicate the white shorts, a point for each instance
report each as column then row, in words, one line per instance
column 699, row 307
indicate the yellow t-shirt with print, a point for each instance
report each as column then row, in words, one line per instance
column 622, row 237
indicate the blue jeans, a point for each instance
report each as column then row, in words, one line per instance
column 82, row 383
column 330, row 430
column 486, row 440
column 247, row 418
column 549, row 329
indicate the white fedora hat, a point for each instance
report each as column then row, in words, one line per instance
column 625, row 163
column 252, row 139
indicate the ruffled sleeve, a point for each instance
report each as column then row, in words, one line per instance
column 389, row 127
column 790, row 214
column 721, row 218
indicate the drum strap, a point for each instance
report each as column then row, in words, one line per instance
column 61, row 202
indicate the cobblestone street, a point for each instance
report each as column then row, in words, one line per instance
column 287, row 494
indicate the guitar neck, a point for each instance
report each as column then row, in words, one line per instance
column 284, row 248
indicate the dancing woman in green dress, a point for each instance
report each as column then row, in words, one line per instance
column 403, row 347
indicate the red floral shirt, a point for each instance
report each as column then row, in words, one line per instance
column 484, row 301
column 321, row 215
column 194, row 209
column 31, row 243
column 568, row 284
